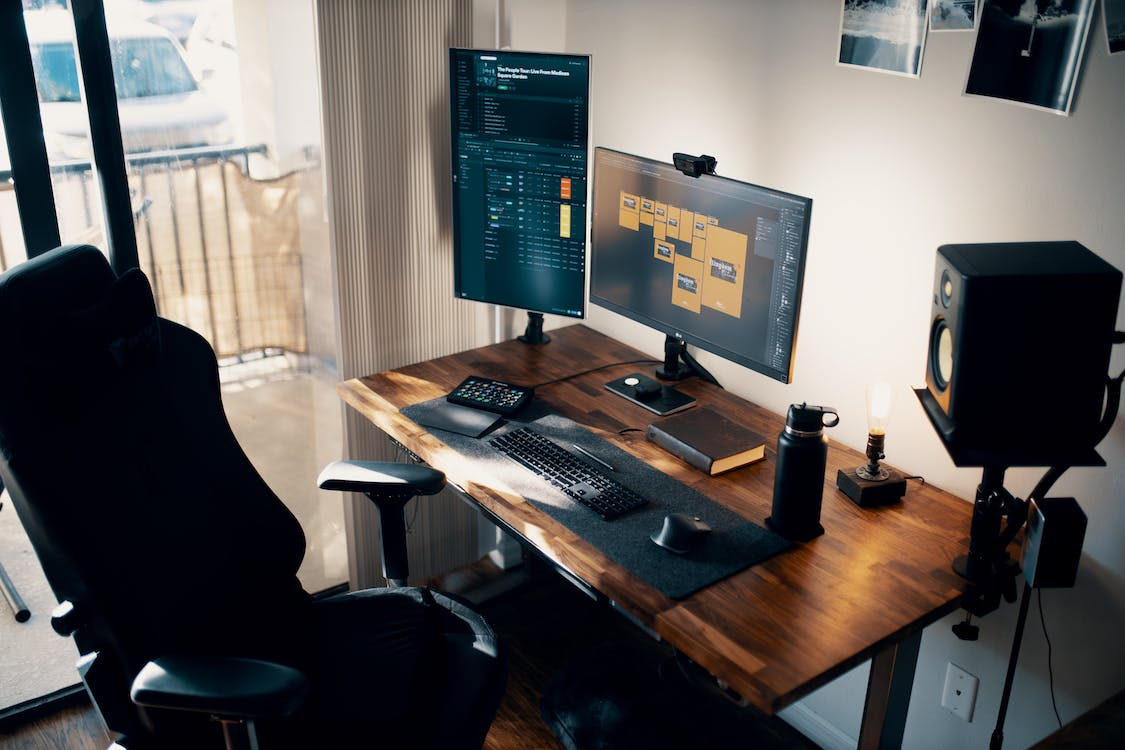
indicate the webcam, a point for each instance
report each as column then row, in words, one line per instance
column 693, row 166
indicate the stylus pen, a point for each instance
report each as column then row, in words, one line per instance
column 588, row 454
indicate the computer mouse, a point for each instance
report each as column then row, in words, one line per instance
column 647, row 389
column 681, row 533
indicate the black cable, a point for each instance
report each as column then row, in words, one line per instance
column 404, row 456
column 413, row 515
column 1050, row 671
column 1046, row 482
column 596, row 369
column 1112, row 404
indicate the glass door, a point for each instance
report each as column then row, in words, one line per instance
column 220, row 127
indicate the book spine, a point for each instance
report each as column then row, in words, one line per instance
column 679, row 448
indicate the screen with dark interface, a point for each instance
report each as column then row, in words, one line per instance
column 712, row 261
column 519, row 132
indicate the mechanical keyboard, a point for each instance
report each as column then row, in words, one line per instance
column 578, row 479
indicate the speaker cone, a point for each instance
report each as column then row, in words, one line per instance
column 941, row 354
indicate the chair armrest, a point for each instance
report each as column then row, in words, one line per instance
column 381, row 478
column 220, row 685
column 390, row 486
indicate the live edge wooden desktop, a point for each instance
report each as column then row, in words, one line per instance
column 777, row 630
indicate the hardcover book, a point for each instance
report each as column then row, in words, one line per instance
column 708, row 441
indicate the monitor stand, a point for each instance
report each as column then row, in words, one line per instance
column 533, row 334
column 679, row 364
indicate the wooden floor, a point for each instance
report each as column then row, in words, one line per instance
column 546, row 623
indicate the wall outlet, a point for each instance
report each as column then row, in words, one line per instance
column 960, row 693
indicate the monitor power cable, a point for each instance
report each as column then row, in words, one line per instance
column 597, row 369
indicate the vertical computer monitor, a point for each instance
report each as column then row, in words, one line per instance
column 520, row 123
column 709, row 261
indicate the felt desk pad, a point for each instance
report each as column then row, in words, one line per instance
column 733, row 544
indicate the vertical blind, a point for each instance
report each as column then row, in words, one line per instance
column 384, row 88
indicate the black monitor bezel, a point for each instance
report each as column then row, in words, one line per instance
column 687, row 336
column 457, row 255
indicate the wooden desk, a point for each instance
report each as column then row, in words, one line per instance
column 774, row 632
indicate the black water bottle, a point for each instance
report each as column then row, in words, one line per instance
column 802, row 452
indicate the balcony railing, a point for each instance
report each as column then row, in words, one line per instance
column 222, row 250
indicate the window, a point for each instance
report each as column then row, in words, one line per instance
column 226, row 190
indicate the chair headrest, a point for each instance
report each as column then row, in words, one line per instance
column 68, row 325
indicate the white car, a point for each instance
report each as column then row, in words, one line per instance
column 178, row 16
column 159, row 100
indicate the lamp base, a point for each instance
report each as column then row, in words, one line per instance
column 867, row 493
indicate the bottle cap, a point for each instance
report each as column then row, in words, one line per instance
column 806, row 418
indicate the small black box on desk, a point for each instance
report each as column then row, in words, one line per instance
column 1052, row 543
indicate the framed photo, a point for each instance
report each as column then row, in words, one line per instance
column 1030, row 51
column 1114, row 13
column 953, row 15
column 884, row 35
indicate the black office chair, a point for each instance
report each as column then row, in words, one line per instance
column 176, row 564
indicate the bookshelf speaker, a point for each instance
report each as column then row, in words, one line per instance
column 1020, row 339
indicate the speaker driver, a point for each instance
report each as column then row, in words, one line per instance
column 941, row 355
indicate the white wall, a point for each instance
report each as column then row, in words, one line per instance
column 896, row 167
column 524, row 25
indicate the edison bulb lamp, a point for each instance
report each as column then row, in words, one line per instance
column 872, row 483
column 879, row 400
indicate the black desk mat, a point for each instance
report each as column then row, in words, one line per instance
column 733, row 544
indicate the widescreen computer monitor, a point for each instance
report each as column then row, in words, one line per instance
column 709, row 261
column 520, row 123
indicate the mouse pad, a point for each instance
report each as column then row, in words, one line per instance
column 464, row 420
column 735, row 543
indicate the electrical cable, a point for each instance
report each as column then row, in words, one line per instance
column 402, row 455
column 596, row 369
column 1050, row 671
column 1113, row 403
column 413, row 514
column 1046, row 482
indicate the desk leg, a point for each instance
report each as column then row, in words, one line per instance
column 888, row 694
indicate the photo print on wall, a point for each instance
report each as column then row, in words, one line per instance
column 1029, row 51
column 1114, row 12
column 884, row 35
column 953, row 15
